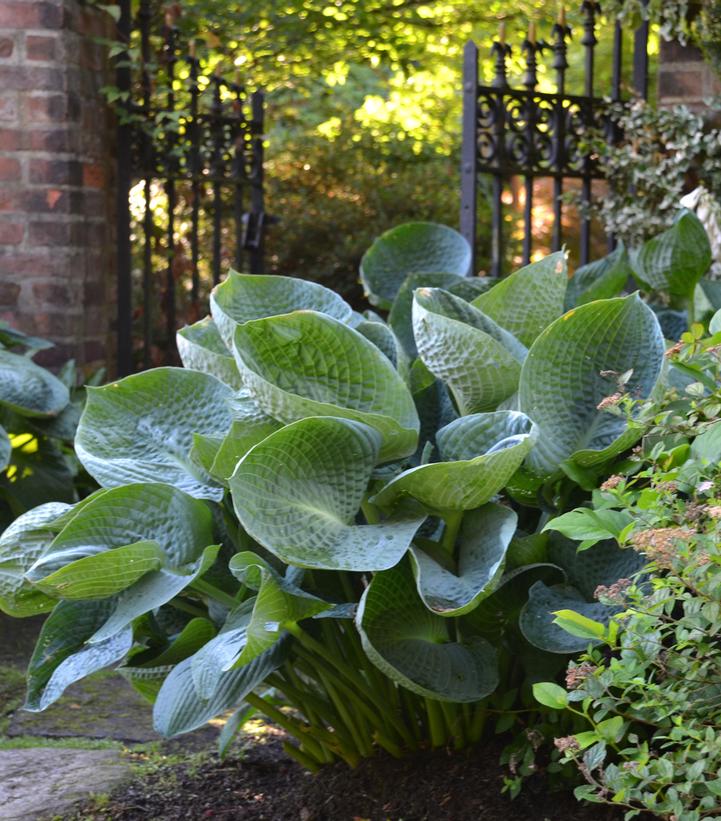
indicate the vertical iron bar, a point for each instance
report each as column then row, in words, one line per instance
column 469, row 150
column 124, row 353
column 640, row 57
column 194, row 184
column 589, row 9
column 501, row 50
column 560, row 64
column 531, row 49
column 216, row 114
column 171, row 167
column 257, row 198
column 617, row 79
column 144, row 17
column 239, row 131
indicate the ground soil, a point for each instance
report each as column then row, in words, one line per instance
column 265, row 785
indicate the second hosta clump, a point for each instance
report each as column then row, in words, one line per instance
column 338, row 514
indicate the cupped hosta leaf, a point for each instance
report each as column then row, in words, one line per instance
column 28, row 389
column 382, row 337
column 602, row 279
column 152, row 591
column 21, row 545
column 484, row 539
column 298, row 491
column 433, row 403
column 575, row 364
column 536, row 620
column 140, row 429
column 201, row 348
column 178, row 707
column 61, row 656
column 243, row 297
column 103, row 574
column 400, row 317
column 480, row 453
column 675, row 260
column 6, row 448
column 241, row 437
column 474, row 356
column 414, row 647
column 181, row 525
column 412, row 248
column 529, row 299
column 307, row 364
column 603, row 564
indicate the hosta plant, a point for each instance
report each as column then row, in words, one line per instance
column 39, row 413
column 335, row 520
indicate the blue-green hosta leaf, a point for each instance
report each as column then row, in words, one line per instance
column 12, row 338
column 575, row 364
column 484, row 539
column 478, row 360
column 536, row 620
column 433, row 403
column 414, row 647
column 178, row 708
column 6, row 449
column 298, row 491
column 62, row 657
column 675, row 260
column 181, row 525
column 602, row 279
column 104, row 574
column 201, row 348
column 140, row 429
column 480, row 453
column 21, row 545
column 673, row 323
column 412, row 248
column 147, row 671
column 28, row 389
column 152, row 591
column 307, row 364
column 241, row 437
column 243, row 297
column 528, row 300
column 400, row 317
column 382, row 337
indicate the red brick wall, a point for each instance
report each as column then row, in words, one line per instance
column 56, row 203
column 684, row 78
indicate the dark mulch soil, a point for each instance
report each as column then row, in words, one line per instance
column 266, row 785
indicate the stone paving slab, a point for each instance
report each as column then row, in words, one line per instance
column 43, row 782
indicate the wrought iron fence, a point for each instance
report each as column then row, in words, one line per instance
column 190, row 185
column 523, row 132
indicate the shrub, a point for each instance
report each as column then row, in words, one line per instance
column 332, row 513
column 647, row 690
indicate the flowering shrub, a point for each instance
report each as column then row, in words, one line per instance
column 648, row 688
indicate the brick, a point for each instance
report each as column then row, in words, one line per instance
column 56, row 172
column 53, row 293
column 55, row 233
column 674, row 52
column 41, row 48
column 7, row 47
column 11, row 139
column 52, row 108
column 38, row 78
column 56, row 140
column 9, row 108
column 30, row 15
column 9, row 292
column 93, row 175
column 9, row 169
column 687, row 85
column 11, row 233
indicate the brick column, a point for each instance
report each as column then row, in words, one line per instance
column 684, row 77
column 56, row 203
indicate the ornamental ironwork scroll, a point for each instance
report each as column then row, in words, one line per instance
column 521, row 131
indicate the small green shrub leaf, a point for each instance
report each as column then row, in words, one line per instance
column 590, row 526
column 480, row 453
column 243, row 297
column 201, row 348
column 141, row 428
column 484, row 539
column 307, row 364
column 528, row 300
column 304, row 513
column 412, row 248
column 28, row 389
column 550, row 695
column 580, row 626
column 414, row 647
column 575, row 364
